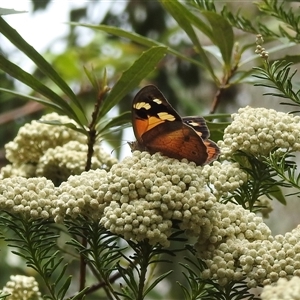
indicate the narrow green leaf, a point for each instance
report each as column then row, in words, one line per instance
column 179, row 13
column 13, row 36
column 198, row 23
column 40, row 100
column 223, row 35
column 120, row 120
column 141, row 40
column 64, row 289
column 29, row 80
column 92, row 78
column 276, row 192
column 145, row 64
column 68, row 125
column 36, row 85
column 81, row 294
column 8, row 11
column 156, row 281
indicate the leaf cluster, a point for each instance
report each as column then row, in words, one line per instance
column 291, row 20
column 286, row 168
column 262, row 181
column 98, row 249
column 277, row 76
column 36, row 244
column 139, row 281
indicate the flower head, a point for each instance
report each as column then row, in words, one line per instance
column 51, row 151
column 32, row 197
column 60, row 162
column 241, row 245
column 282, row 290
column 258, row 131
column 81, row 195
column 35, row 138
column 224, row 177
column 22, row 287
column 147, row 193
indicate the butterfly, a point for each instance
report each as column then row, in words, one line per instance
column 159, row 128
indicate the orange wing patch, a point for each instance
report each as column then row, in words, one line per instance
column 159, row 128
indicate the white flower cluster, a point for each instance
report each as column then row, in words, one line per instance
column 81, row 195
column 139, row 198
column 282, row 290
column 32, row 197
column 147, row 193
column 60, row 162
column 22, row 288
column 34, row 138
column 241, row 245
column 257, row 131
column 143, row 196
column 52, row 151
column 224, row 177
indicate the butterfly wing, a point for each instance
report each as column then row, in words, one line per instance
column 149, row 109
column 198, row 124
column 212, row 150
column 177, row 140
column 159, row 128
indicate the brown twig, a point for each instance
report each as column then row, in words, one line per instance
column 26, row 109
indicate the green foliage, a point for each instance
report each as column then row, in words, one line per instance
column 286, row 169
column 277, row 76
column 75, row 112
column 277, row 9
column 102, row 255
column 36, row 244
column 110, row 269
column 262, row 181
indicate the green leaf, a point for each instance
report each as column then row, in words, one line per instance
column 47, row 103
column 156, row 281
column 64, row 289
column 13, row 36
column 81, row 294
column 68, row 125
column 120, row 120
column 223, row 35
column 8, row 11
column 276, row 192
column 145, row 64
column 197, row 22
column 141, row 40
column 36, row 85
column 179, row 13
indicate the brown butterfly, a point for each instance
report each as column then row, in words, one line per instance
column 159, row 128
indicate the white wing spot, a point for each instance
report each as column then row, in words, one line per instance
column 158, row 101
column 140, row 105
column 166, row 116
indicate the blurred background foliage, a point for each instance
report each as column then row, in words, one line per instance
column 189, row 88
column 181, row 81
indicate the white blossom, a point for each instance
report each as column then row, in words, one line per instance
column 22, row 288
column 258, row 131
column 283, row 289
